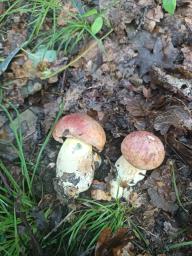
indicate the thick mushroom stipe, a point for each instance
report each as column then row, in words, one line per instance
column 75, row 167
column 128, row 175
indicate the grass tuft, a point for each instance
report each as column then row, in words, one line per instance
column 17, row 225
column 87, row 223
column 43, row 28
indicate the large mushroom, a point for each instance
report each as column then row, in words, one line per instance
column 141, row 151
column 77, row 160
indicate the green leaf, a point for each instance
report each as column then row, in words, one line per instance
column 169, row 6
column 89, row 13
column 97, row 25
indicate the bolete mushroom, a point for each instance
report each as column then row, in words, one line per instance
column 141, row 151
column 76, row 161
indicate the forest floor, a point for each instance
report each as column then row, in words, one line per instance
column 127, row 64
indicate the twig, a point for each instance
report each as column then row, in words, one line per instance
column 58, row 225
column 48, row 73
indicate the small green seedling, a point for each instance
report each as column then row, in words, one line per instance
column 169, row 6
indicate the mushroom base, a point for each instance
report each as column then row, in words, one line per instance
column 127, row 176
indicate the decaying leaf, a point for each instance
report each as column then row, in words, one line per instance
column 91, row 59
column 153, row 16
column 153, row 52
column 99, row 191
column 149, row 217
column 159, row 188
column 176, row 116
column 2, row 7
column 137, row 106
column 183, row 150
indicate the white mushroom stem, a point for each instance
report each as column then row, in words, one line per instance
column 127, row 176
column 75, row 166
column 127, row 173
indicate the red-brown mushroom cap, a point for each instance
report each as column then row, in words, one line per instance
column 80, row 126
column 143, row 150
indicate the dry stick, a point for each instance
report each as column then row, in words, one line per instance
column 58, row 225
column 54, row 73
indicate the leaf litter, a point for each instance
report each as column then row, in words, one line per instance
column 141, row 81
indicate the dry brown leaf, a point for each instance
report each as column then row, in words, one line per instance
column 15, row 37
column 152, row 17
column 136, row 106
column 159, row 188
column 152, row 52
column 149, row 217
column 114, row 244
column 100, row 195
column 99, row 191
column 189, row 22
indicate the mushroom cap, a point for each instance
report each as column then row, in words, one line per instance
column 143, row 150
column 81, row 126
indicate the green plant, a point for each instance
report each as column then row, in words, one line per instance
column 79, row 230
column 88, row 222
column 175, row 186
column 13, row 203
column 37, row 11
column 17, row 224
column 169, row 6
column 180, row 245
column 52, row 72
column 77, row 25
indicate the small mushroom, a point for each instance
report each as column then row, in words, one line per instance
column 141, row 151
column 76, row 161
